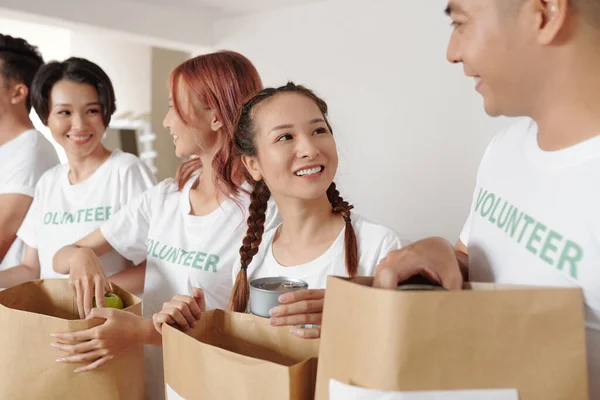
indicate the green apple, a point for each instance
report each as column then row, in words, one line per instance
column 112, row 300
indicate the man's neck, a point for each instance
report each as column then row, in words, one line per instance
column 12, row 126
column 570, row 111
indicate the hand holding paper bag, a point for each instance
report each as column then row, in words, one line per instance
column 101, row 343
column 434, row 258
column 300, row 307
column 181, row 311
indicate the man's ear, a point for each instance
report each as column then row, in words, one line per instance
column 19, row 93
column 252, row 165
column 551, row 16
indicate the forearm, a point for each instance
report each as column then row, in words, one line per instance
column 148, row 334
column 463, row 263
column 131, row 278
column 17, row 275
column 62, row 259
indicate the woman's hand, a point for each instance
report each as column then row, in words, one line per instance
column 87, row 279
column 181, row 311
column 300, row 308
column 120, row 331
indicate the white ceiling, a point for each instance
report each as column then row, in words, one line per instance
column 227, row 8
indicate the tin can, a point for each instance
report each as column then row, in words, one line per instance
column 265, row 292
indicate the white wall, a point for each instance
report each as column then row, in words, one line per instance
column 128, row 64
column 410, row 128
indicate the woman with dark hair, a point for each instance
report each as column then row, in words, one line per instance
column 75, row 99
column 286, row 143
column 187, row 229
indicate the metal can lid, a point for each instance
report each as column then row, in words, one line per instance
column 278, row 284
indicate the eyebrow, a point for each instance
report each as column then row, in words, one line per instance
column 288, row 126
column 453, row 9
column 94, row 103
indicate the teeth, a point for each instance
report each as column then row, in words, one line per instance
column 310, row 171
column 79, row 138
column 175, row 137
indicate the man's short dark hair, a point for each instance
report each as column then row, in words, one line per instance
column 19, row 62
column 77, row 70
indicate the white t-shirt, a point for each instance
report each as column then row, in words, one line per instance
column 374, row 243
column 23, row 160
column 63, row 213
column 183, row 251
column 535, row 220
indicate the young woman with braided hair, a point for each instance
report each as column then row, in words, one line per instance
column 285, row 141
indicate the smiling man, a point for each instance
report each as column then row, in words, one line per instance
column 535, row 215
column 24, row 153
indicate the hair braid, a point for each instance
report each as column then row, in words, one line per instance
column 259, row 199
column 342, row 207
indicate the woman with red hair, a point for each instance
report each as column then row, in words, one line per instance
column 187, row 229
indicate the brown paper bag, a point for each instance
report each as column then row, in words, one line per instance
column 238, row 356
column 29, row 313
column 486, row 337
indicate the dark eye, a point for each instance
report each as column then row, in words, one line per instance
column 93, row 111
column 320, row 131
column 284, row 138
column 64, row 112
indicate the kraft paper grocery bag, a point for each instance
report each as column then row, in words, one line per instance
column 238, row 356
column 487, row 336
column 29, row 313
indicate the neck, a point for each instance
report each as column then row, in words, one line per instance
column 305, row 221
column 81, row 168
column 569, row 112
column 13, row 124
column 206, row 186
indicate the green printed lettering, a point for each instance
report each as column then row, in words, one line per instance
column 173, row 256
column 491, row 197
column 189, row 258
column 149, row 244
column 501, row 223
column 480, row 197
column 99, row 214
column 160, row 253
column 514, row 222
column 528, row 221
column 549, row 246
column 156, row 244
column 492, row 219
column 79, row 215
column 54, row 219
column 108, row 211
column 70, row 218
column 89, row 214
column 572, row 253
column 213, row 260
column 182, row 255
column 47, row 218
column 198, row 260
column 64, row 215
column 535, row 237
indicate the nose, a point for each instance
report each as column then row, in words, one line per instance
column 78, row 122
column 307, row 148
column 166, row 119
column 453, row 51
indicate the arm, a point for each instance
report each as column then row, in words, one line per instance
column 13, row 208
column 93, row 244
column 462, row 256
column 131, row 278
column 27, row 271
